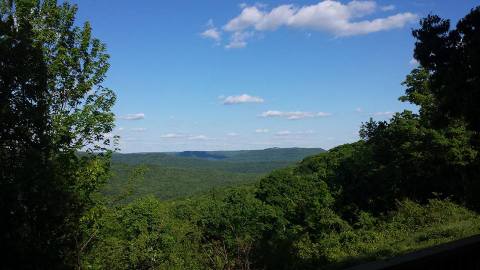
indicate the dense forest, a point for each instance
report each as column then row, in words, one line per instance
column 182, row 174
column 408, row 183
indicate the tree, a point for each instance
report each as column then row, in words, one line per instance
column 232, row 228
column 53, row 105
column 28, row 196
column 452, row 60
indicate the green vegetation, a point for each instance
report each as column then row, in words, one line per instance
column 244, row 161
column 52, row 104
column 265, row 155
column 234, row 230
column 172, row 175
column 165, row 160
column 409, row 183
column 170, row 183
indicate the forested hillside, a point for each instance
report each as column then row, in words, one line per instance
column 265, row 155
column 167, row 160
column 171, row 182
column 291, row 219
column 176, row 175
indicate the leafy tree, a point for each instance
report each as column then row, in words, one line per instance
column 53, row 105
column 434, row 153
column 303, row 206
column 452, row 60
column 232, row 228
column 415, row 161
column 143, row 235
column 32, row 221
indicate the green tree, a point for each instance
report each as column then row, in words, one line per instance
column 31, row 219
column 232, row 228
column 452, row 60
column 54, row 106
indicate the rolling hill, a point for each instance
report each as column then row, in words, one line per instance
column 180, row 174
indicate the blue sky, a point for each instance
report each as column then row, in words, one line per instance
column 221, row 75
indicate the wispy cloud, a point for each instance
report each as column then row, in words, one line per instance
column 294, row 115
column 138, row 129
column 239, row 39
column 413, row 62
column 382, row 113
column 328, row 16
column 198, row 138
column 285, row 133
column 261, row 130
column 230, row 100
column 212, row 32
column 172, row 136
column 135, row 116
column 388, row 8
column 184, row 136
column 232, row 134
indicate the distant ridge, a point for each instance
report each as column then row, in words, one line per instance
column 239, row 161
column 200, row 154
column 292, row 154
column 275, row 154
column 173, row 175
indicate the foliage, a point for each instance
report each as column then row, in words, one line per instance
column 29, row 190
column 235, row 230
column 172, row 175
column 143, row 235
column 53, row 105
column 172, row 183
column 244, row 161
column 452, row 60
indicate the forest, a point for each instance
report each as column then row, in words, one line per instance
column 410, row 182
column 182, row 174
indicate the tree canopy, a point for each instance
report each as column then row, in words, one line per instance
column 52, row 106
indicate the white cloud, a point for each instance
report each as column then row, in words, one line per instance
column 172, row 136
column 284, row 133
column 261, row 130
column 249, row 16
column 198, row 137
column 413, row 62
column 359, row 110
column 322, row 114
column 383, row 113
column 291, row 133
column 242, row 99
column 239, row 40
column 212, row 32
column 294, row 115
column 138, row 129
column 135, row 116
column 388, row 8
column 183, row 136
column 232, row 134
column 120, row 129
column 327, row 16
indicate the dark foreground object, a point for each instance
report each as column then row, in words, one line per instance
column 461, row 254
